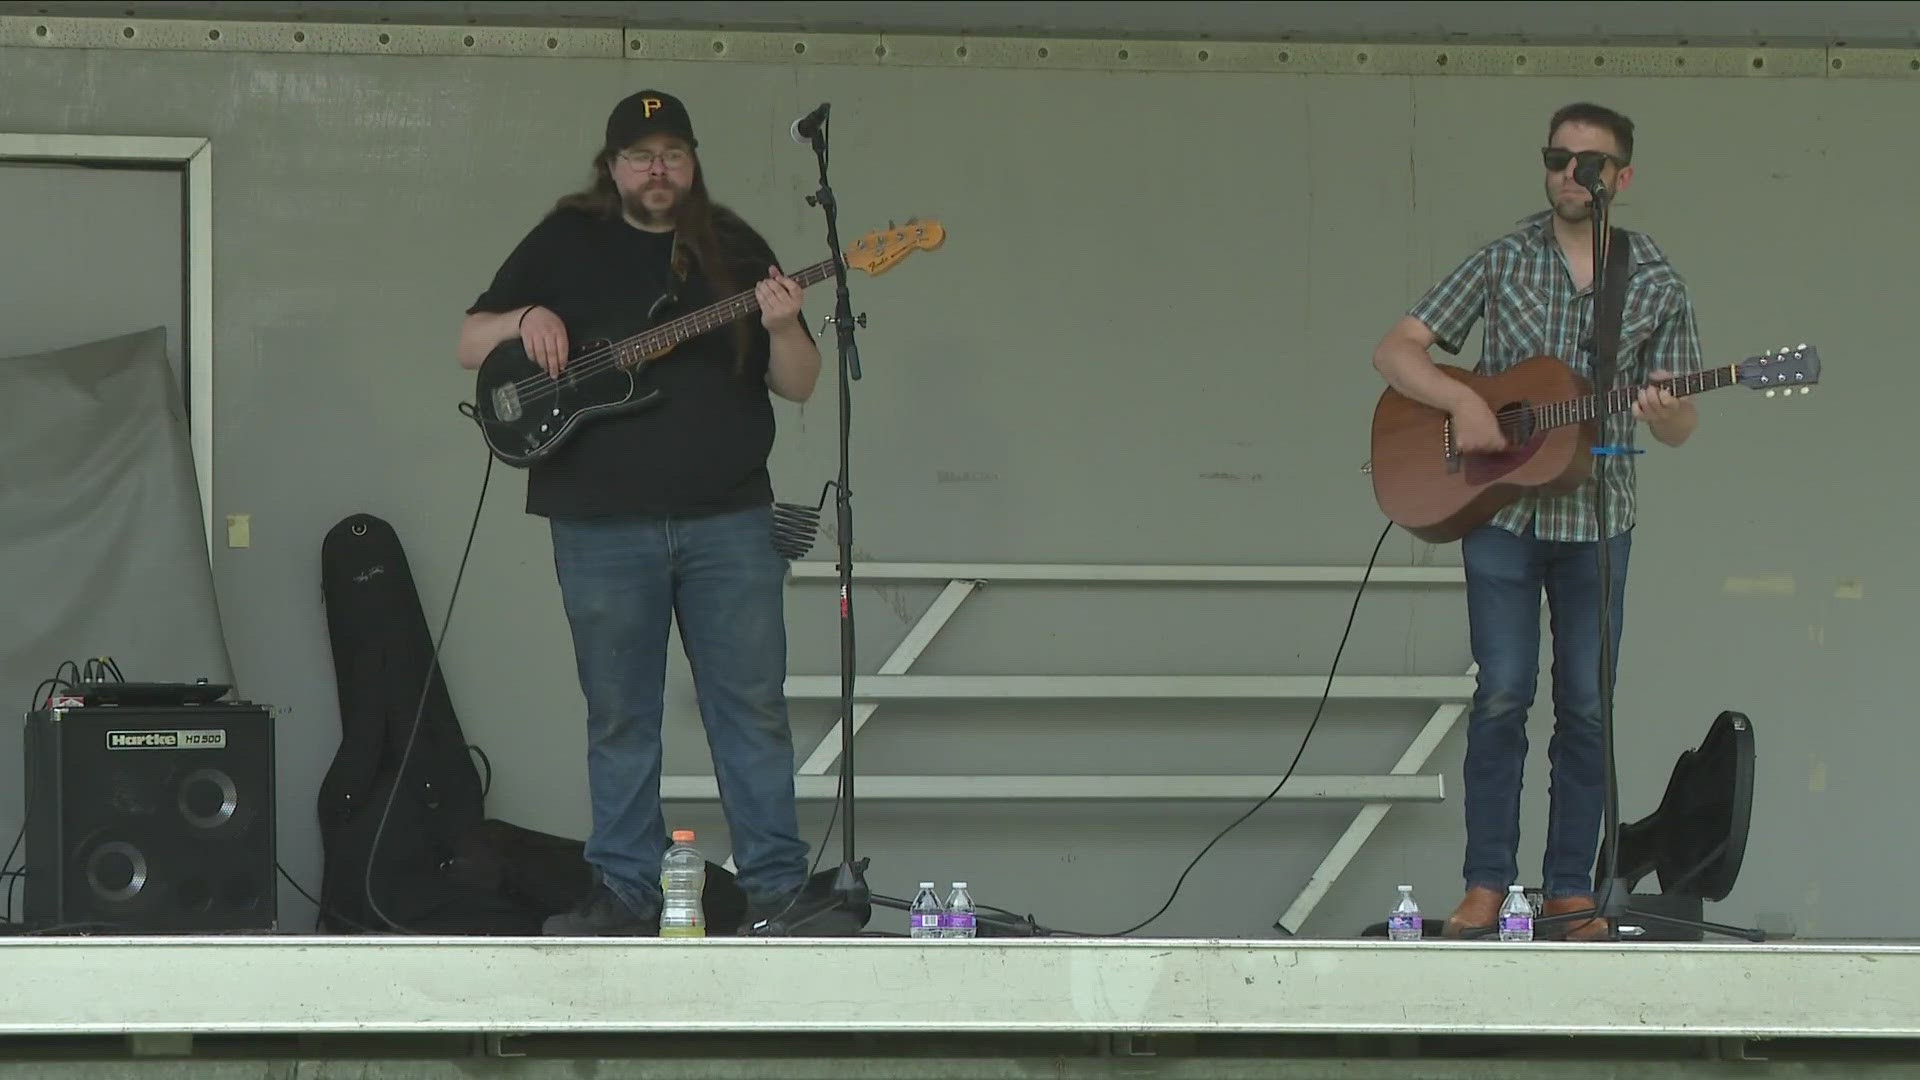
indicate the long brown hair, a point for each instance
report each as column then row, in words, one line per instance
column 697, row 236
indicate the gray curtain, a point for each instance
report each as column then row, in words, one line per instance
column 101, row 547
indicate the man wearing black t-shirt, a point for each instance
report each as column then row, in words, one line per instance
column 668, row 513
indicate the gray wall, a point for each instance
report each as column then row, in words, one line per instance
column 1151, row 281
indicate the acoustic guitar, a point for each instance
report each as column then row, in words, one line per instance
column 1551, row 419
column 524, row 414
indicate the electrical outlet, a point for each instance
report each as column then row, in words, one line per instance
column 239, row 530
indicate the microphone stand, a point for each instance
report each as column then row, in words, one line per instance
column 1612, row 894
column 849, row 906
column 850, row 902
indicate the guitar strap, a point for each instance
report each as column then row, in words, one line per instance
column 680, row 261
column 1610, row 310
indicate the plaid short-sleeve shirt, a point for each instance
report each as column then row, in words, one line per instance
column 1521, row 285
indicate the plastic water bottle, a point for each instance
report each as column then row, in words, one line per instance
column 1404, row 922
column 924, row 919
column 683, row 880
column 1516, row 916
column 956, row 921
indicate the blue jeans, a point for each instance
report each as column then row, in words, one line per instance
column 1505, row 576
column 623, row 582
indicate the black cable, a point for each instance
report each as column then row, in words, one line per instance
column 13, row 876
column 1038, row 929
column 318, row 905
column 6, row 870
column 1324, row 695
column 34, row 704
column 420, row 710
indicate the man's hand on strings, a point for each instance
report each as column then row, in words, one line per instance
column 779, row 297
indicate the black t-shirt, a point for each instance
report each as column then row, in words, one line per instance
column 703, row 446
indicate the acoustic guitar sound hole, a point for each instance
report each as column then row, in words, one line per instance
column 1516, row 422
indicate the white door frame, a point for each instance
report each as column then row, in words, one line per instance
column 196, row 156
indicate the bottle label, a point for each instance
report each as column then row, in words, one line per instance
column 1403, row 922
column 1515, row 924
column 958, row 920
column 925, row 920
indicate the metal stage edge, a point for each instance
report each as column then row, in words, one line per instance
column 288, row 984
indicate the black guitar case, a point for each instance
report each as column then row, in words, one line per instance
column 441, row 866
column 382, row 652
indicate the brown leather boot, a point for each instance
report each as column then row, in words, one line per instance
column 1478, row 910
column 1574, row 929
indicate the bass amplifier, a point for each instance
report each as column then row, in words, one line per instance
column 151, row 820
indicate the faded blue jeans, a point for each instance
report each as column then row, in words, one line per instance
column 624, row 581
column 1506, row 575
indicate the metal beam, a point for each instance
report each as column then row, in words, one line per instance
column 1133, row 687
column 696, row 788
column 802, row 48
column 931, row 621
column 300, row 36
column 1368, row 819
column 820, row 570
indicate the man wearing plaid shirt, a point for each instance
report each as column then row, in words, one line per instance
column 1533, row 285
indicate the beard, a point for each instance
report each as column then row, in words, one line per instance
column 648, row 208
column 1568, row 206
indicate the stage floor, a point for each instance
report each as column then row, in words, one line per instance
column 285, row 984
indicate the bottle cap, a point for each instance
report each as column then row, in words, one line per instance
column 1406, row 888
column 683, row 836
column 959, row 884
column 1516, row 888
column 926, row 884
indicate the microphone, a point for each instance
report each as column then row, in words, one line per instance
column 1586, row 173
column 805, row 128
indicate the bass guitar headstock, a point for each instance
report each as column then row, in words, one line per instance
column 879, row 250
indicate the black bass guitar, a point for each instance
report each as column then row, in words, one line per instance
column 524, row 414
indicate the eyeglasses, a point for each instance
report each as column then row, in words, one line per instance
column 1557, row 158
column 644, row 159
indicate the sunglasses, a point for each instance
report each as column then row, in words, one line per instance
column 1557, row 158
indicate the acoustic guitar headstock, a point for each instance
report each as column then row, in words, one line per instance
column 879, row 250
column 1783, row 372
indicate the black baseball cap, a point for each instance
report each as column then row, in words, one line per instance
column 648, row 112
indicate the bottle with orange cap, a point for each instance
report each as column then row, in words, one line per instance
column 683, row 880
